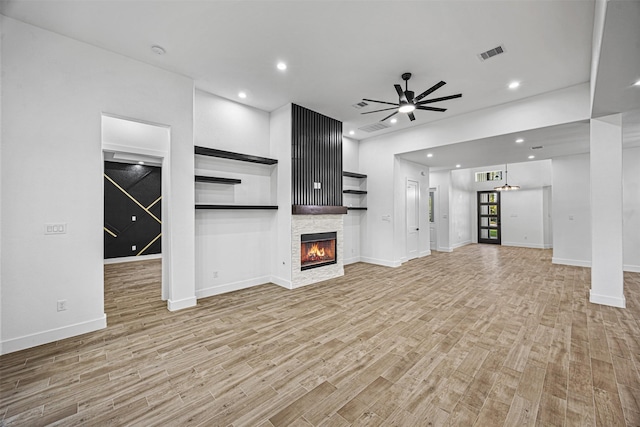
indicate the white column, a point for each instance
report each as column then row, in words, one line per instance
column 607, row 284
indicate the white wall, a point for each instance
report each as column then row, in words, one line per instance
column 280, row 142
column 353, row 220
column 571, row 210
column 461, row 208
column 54, row 92
column 233, row 247
column 631, row 208
column 377, row 153
column 441, row 181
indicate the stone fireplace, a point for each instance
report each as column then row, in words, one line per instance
column 323, row 232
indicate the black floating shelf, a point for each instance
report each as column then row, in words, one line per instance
column 245, row 207
column 212, row 152
column 356, row 208
column 354, row 192
column 217, row 180
column 353, row 174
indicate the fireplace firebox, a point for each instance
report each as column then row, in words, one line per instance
column 317, row 250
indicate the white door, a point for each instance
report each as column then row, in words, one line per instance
column 433, row 226
column 413, row 216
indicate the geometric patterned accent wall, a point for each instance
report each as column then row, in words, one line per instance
column 132, row 210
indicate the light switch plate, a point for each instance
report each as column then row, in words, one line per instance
column 55, row 228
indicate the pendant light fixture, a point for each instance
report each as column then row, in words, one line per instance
column 506, row 186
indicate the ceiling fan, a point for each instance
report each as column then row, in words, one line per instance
column 407, row 103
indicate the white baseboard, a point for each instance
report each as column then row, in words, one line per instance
column 53, row 335
column 574, row 262
column 547, row 246
column 631, row 268
column 281, row 282
column 175, row 305
column 461, row 244
column 607, row 300
column 425, row 253
column 443, row 249
column 234, row 286
column 352, row 260
column 382, row 262
column 524, row 245
column 132, row 258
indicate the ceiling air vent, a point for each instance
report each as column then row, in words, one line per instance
column 491, row 53
column 359, row 105
column 374, row 127
column 537, row 147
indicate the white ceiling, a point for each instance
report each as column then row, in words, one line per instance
column 339, row 52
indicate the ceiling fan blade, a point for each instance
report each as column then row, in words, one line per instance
column 403, row 97
column 430, row 90
column 444, row 98
column 411, row 116
column 380, row 102
column 377, row 111
column 390, row 115
column 420, row 107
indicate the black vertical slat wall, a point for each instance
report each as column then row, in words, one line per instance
column 316, row 156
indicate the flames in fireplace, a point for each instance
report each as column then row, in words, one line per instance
column 317, row 250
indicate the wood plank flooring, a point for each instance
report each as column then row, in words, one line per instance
column 484, row 336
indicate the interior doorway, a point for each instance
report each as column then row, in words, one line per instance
column 413, row 218
column 134, row 142
column 489, row 217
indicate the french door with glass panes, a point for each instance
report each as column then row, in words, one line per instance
column 489, row 217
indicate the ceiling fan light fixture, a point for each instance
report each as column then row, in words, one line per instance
column 406, row 107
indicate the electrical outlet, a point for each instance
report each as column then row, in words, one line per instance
column 133, row 248
column 62, row 305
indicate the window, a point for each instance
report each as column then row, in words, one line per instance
column 431, row 215
column 489, row 176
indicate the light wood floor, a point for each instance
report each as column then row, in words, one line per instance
column 484, row 336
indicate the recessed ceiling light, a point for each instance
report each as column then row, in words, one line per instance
column 430, row 155
column 458, row 166
column 394, row 120
column 514, row 85
column 242, row 95
column 158, row 50
column 141, row 163
column 531, row 157
column 281, row 66
column 637, row 83
column 351, row 132
column 519, row 140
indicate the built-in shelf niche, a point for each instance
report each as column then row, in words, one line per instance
column 212, row 152
column 360, row 177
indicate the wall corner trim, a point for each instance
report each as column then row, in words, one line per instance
column 53, row 335
column 175, row 305
column 281, row 282
column 607, row 300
